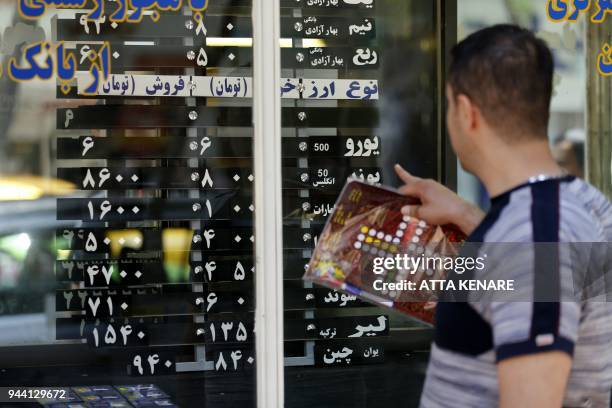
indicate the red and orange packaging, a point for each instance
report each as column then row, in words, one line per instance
column 366, row 228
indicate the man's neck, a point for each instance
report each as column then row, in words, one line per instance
column 504, row 167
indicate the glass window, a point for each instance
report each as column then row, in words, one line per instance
column 126, row 220
column 361, row 91
column 127, row 234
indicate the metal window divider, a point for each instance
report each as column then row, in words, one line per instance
column 268, row 205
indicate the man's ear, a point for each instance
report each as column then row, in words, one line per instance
column 468, row 113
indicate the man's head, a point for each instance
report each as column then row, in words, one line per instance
column 499, row 90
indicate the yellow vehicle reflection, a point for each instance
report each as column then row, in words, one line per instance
column 18, row 188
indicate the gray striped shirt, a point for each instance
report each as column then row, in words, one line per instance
column 472, row 337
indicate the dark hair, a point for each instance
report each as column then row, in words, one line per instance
column 508, row 73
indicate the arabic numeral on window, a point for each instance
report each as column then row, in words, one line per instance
column 105, row 207
column 323, row 172
column 321, row 147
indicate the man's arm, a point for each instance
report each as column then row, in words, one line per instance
column 439, row 205
column 534, row 380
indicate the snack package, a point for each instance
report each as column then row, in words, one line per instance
column 367, row 228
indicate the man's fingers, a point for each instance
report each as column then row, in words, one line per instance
column 404, row 175
column 412, row 190
column 413, row 186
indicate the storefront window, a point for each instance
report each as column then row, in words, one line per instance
column 153, row 217
column 126, row 253
column 361, row 89
column 127, row 267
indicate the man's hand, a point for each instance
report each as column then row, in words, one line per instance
column 439, row 205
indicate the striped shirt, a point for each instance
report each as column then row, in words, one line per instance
column 472, row 337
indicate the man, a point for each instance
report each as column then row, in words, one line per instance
column 514, row 354
column 569, row 153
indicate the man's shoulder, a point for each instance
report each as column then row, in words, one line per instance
column 575, row 211
column 585, row 206
column 513, row 223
